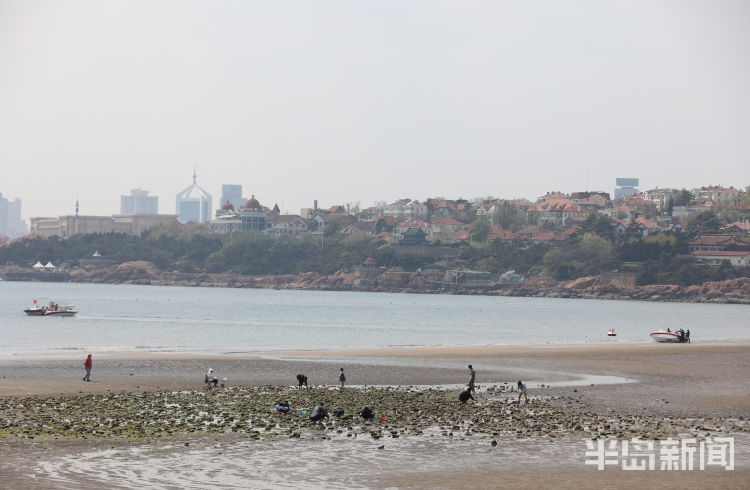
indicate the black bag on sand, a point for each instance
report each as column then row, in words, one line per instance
column 465, row 396
column 366, row 413
column 318, row 413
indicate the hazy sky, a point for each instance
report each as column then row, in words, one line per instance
column 346, row 101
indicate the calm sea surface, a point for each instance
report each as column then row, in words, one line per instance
column 173, row 319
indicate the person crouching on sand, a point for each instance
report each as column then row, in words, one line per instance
column 522, row 391
column 211, row 377
column 87, row 364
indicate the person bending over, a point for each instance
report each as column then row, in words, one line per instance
column 522, row 391
column 211, row 377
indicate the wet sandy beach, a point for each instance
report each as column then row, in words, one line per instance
column 696, row 386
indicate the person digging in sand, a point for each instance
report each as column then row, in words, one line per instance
column 465, row 396
column 211, row 378
column 522, row 391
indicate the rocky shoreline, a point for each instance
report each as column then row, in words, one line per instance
column 733, row 291
column 399, row 411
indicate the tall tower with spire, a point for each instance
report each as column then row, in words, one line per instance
column 193, row 204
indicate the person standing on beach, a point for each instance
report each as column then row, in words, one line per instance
column 342, row 378
column 522, row 391
column 471, row 380
column 87, row 364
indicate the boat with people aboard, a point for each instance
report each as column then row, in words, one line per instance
column 611, row 333
column 36, row 310
column 52, row 310
column 667, row 336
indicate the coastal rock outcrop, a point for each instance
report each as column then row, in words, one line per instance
column 383, row 280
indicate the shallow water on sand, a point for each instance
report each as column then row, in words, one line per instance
column 339, row 463
column 217, row 320
column 342, row 462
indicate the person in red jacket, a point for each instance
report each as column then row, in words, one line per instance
column 87, row 364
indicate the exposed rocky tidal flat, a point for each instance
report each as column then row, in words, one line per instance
column 399, row 411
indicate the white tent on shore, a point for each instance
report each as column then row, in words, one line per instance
column 38, row 265
column 49, row 265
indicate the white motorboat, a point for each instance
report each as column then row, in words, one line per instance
column 667, row 336
column 52, row 310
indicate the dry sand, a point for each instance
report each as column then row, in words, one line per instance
column 707, row 382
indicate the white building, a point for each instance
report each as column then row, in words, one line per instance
column 67, row 226
column 193, row 204
column 406, row 209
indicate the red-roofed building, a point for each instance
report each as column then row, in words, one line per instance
column 716, row 257
column 738, row 227
column 286, row 224
column 357, row 229
column 712, row 243
column 446, row 226
column 497, row 233
column 568, row 232
column 461, row 236
column 548, row 236
column 558, row 212
column 647, row 226
column 321, row 221
column 385, row 224
column 738, row 206
column 528, row 232
column 402, row 226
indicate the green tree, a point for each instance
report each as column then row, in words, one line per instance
column 706, row 222
column 599, row 225
column 509, row 217
column 682, row 198
column 479, row 230
column 590, row 255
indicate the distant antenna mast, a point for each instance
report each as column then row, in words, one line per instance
column 75, row 226
column 587, row 180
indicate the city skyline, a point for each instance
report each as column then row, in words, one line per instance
column 357, row 102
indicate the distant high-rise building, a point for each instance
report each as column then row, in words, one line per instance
column 627, row 187
column 232, row 194
column 194, row 204
column 11, row 224
column 139, row 202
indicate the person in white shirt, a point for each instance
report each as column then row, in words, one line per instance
column 211, row 377
column 522, row 391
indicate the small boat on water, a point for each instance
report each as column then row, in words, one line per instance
column 60, row 311
column 52, row 310
column 611, row 333
column 37, row 309
column 667, row 336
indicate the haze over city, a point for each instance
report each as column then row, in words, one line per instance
column 345, row 101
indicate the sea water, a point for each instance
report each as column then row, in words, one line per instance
column 221, row 320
